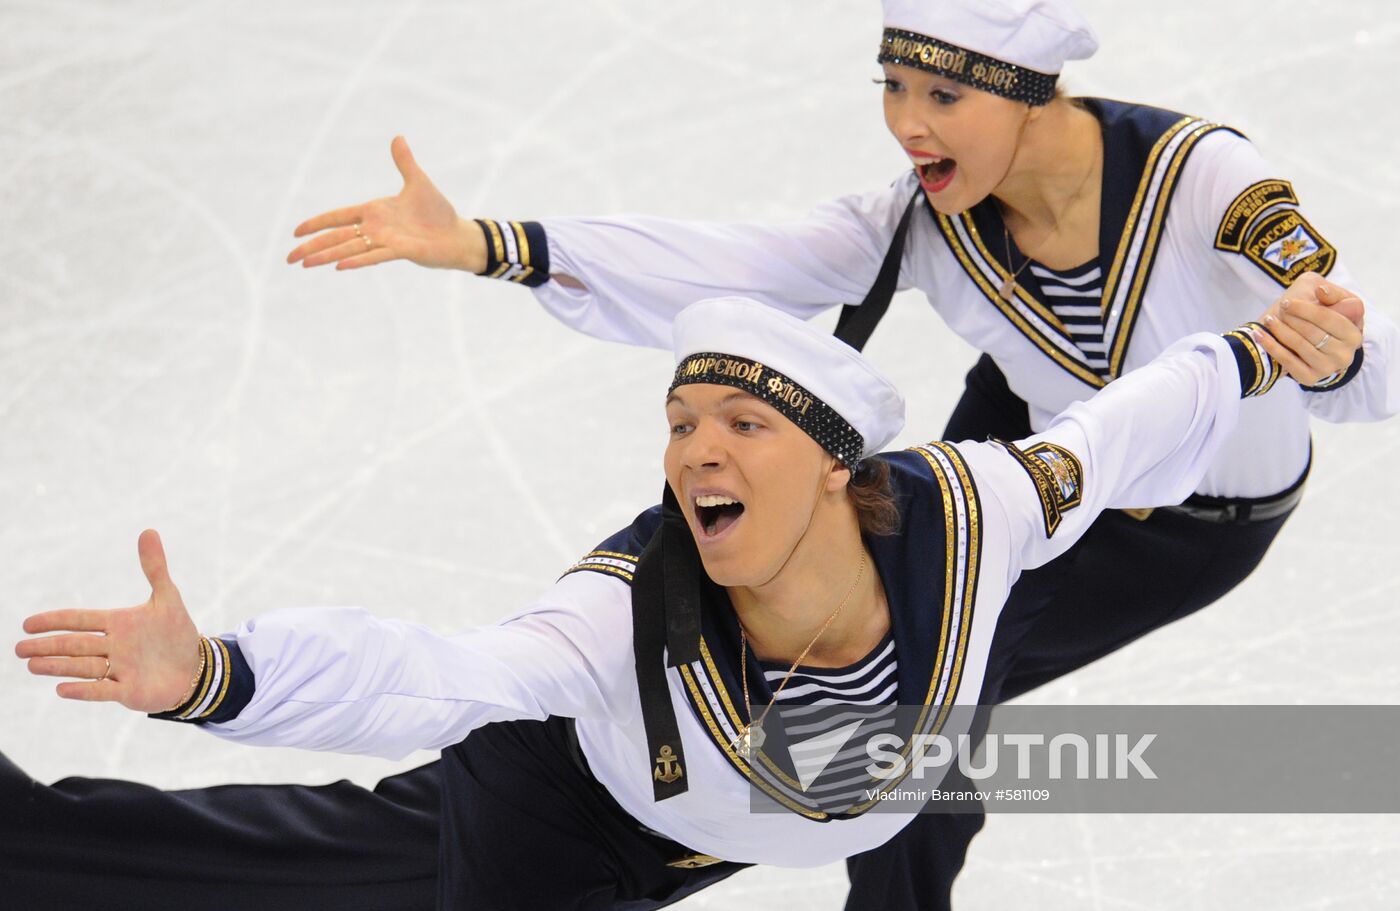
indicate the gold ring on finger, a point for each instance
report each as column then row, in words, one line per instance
column 369, row 244
column 105, row 671
column 357, row 229
column 1322, row 342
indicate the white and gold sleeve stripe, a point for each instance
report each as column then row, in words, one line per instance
column 1258, row 371
column 225, row 685
column 516, row 251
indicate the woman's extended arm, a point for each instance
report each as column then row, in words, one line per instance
column 621, row 278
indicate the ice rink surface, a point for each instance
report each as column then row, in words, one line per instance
column 435, row 447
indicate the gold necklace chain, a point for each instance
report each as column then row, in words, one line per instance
column 751, row 735
column 1008, row 288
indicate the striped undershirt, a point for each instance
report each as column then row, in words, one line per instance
column 809, row 718
column 1076, row 297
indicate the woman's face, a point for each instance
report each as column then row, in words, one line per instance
column 962, row 141
column 747, row 479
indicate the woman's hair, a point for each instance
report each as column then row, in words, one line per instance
column 873, row 498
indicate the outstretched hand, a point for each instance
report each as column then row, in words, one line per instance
column 1314, row 329
column 144, row 657
column 418, row 225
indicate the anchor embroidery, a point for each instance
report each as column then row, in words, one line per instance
column 668, row 768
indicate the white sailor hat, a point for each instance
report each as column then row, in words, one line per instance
column 820, row 383
column 1012, row 48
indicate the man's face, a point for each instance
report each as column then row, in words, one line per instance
column 747, row 479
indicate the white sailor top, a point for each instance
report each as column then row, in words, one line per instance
column 1196, row 234
column 973, row 517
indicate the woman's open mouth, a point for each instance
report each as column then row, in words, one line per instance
column 937, row 174
column 715, row 514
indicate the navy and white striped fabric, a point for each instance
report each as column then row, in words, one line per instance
column 811, row 717
column 1076, row 297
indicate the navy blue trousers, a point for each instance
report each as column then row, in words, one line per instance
column 525, row 825
column 85, row 844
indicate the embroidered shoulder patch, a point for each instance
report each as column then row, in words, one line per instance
column 1285, row 246
column 1247, row 206
column 1058, row 477
column 1263, row 224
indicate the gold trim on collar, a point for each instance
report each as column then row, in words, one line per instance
column 959, row 563
column 703, row 706
column 1137, row 267
column 1041, row 310
column 599, row 568
column 1079, row 368
column 733, row 714
column 969, row 569
column 1132, row 261
column 605, row 561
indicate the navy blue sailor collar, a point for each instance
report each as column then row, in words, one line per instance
column 1144, row 150
column 929, row 573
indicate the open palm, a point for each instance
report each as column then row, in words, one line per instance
column 143, row 657
column 418, row 225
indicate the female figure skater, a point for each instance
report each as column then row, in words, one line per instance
column 618, row 730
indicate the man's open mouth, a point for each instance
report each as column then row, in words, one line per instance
column 714, row 513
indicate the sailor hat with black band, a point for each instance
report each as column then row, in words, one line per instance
column 818, row 382
column 1012, row 48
